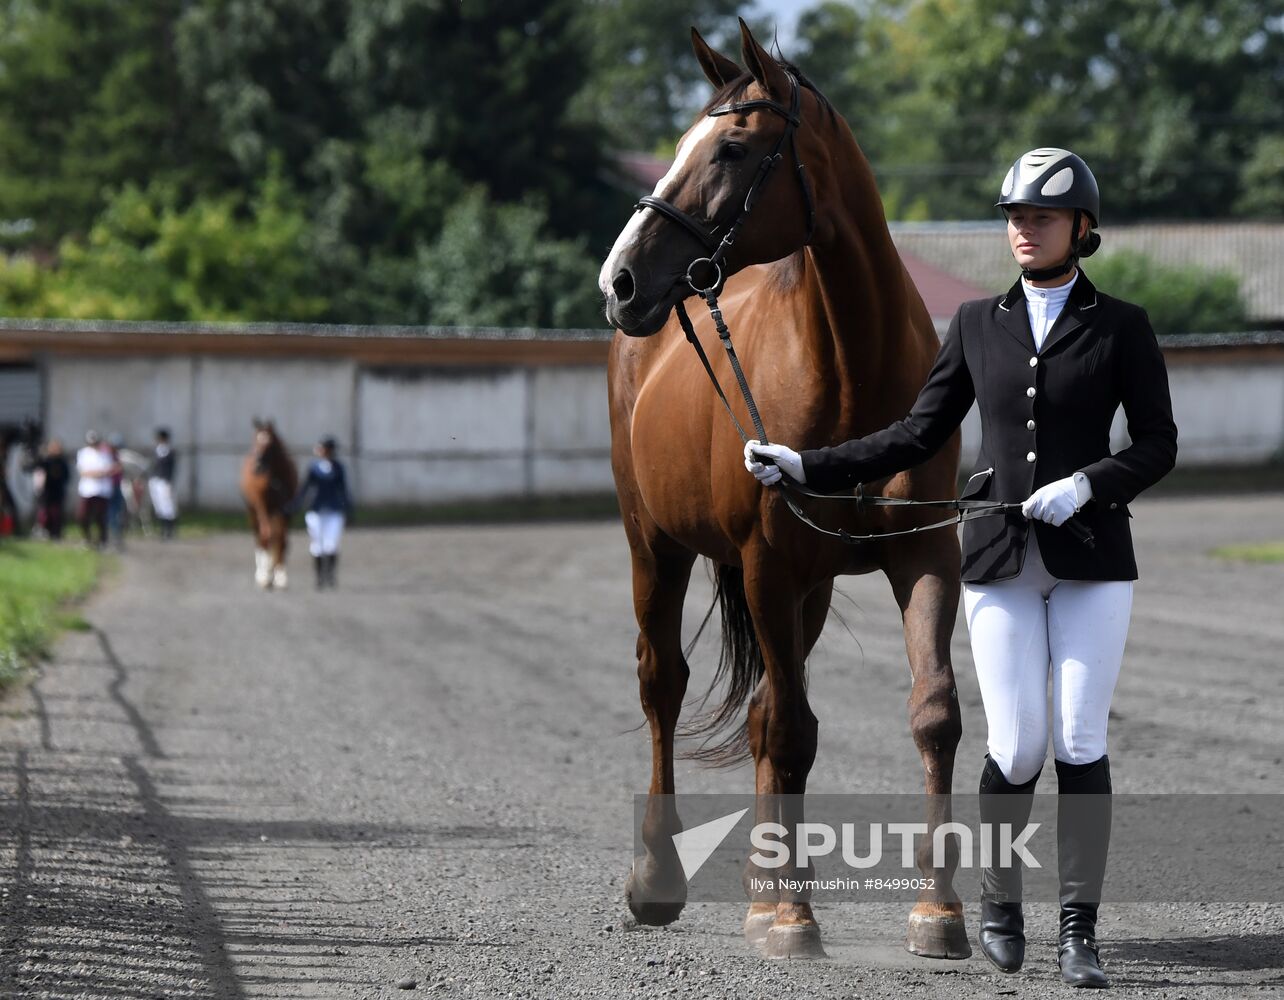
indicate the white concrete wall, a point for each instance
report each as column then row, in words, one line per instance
column 409, row 435
column 419, row 435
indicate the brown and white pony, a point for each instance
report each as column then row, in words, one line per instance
column 836, row 343
column 269, row 481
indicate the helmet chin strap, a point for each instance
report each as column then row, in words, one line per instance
column 1066, row 266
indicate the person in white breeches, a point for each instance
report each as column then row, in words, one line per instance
column 1048, row 596
column 325, row 530
column 329, row 507
column 1032, row 625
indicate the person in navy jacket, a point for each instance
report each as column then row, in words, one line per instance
column 1048, row 364
column 329, row 506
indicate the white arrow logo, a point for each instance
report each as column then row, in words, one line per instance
column 694, row 846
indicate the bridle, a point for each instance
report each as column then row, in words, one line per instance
column 718, row 247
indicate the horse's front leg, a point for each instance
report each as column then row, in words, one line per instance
column 656, row 889
column 783, row 733
column 763, row 900
column 262, row 558
column 925, row 579
column 280, row 540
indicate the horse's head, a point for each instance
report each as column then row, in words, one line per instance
column 264, row 436
column 736, row 194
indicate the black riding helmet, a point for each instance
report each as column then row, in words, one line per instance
column 1055, row 178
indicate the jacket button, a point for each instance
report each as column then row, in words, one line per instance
column 1030, row 392
column 1029, row 456
column 1114, row 506
column 1029, row 425
column 1033, row 362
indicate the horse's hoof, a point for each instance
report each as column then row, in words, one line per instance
column 757, row 925
column 280, row 581
column 263, row 582
column 937, row 936
column 790, row 941
column 652, row 908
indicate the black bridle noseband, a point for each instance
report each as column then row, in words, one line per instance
column 718, row 248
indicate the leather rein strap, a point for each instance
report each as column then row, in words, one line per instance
column 966, row 510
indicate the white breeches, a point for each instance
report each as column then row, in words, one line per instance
column 325, row 529
column 1032, row 625
column 163, row 503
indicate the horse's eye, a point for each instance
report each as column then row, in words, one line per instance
column 731, row 151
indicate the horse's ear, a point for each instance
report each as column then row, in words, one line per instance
column 718, row 68
column 258, row 424
column 769, row 73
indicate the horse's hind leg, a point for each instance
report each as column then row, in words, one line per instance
column 924, row 577
column 656, row 889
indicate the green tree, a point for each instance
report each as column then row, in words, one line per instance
column 1178, row 299
column 646, row 85
column 90, row 100
column 149, row 257
column 864, row 60
column 498, row 265
column 1166, row 101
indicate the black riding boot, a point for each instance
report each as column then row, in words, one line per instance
column 1002, row 922
column 1083, row 840
column 318, row 564
column 331, row 569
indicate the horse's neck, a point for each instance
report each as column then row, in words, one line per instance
column 855, row 281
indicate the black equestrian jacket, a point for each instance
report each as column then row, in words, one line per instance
column 1044, row 416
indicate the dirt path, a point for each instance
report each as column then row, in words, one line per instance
column 428, row 775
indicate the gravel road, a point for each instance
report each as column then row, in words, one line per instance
column 426, row 777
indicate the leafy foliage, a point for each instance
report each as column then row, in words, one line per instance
column 149, row 258
column 1179, row 108
column 1177, row 299
column 309, row 159
column 496, row 265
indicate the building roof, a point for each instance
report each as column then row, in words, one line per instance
column 942, row 293
column 977, row 253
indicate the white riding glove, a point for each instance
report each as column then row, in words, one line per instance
column 787, row 460
column 1057, row 502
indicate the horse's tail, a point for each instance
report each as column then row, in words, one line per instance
column 740, row 667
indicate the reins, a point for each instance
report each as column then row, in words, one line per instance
column 965, row 510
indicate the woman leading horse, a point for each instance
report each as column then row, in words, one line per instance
column 837, row 344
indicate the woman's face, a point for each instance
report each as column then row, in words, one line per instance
column 1039, row 237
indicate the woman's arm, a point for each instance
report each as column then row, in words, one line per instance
column 1142, row 380
column 941, row 406
column 302, row 497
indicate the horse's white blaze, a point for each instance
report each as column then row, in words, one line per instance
column 629, row 236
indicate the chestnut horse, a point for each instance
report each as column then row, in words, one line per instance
column 269, row 481
column 836, row 343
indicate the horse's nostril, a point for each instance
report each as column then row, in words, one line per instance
column 623, row 286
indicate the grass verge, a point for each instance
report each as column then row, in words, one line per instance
column 38, row 582
column 1262, row 552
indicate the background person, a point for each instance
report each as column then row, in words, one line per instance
column 1048, row 363
column 94, row 470
column 160, row 484
column 116, row 507
column 50, row 476
column 329, row 506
